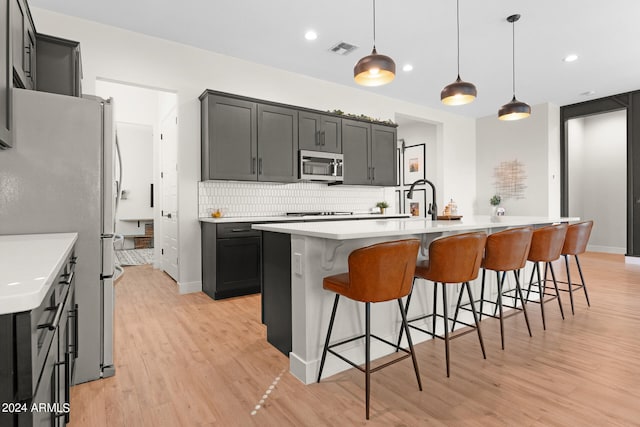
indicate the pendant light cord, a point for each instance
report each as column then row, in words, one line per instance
column 458, row 32
column 374, row 24
column 513, row 57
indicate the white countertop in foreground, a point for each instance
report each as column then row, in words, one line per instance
column 281, row 218
column 344, row 230
column 28, row 266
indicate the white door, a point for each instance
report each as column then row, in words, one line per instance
column 169, row 184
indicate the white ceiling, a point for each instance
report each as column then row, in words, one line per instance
column 605, row 35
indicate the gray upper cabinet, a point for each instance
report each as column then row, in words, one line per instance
column 383, row 155
column 277, row 143
column 23, row 45
column 369, row 153
column 58, row 65
column 319, row 132
column 6, row 74
column 229, row 139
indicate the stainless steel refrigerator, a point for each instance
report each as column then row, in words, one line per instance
column 59, row 177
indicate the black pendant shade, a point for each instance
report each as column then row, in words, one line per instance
column 514, row 110
column 458, row 92
column 374, row 69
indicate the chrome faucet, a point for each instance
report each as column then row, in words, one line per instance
column 433, row 208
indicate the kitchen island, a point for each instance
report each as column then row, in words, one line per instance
column 297, row 256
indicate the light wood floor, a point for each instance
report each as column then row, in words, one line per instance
column 186, row 360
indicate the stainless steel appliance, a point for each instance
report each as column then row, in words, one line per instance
column 330, row 213
column 59, row 177
column 320, row 166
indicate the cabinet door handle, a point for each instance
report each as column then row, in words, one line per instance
column 75, row 331
column 260, row 166
column 323, row 138
column 317, row 137
column 373, row 173
column 368, row 173
column 253, row 165
column 56, row 319
column 238, row 230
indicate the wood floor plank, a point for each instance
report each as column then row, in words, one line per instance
column 186, row 360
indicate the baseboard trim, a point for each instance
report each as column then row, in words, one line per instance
column 607, row 249
column 189, row 287
column 634, row 260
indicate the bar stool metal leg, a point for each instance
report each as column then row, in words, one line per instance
column 500, row 286
column 566, row 264
column 555, row 285
column 475, row 318
column 405, row 326
column 524, row 308
column 584, row 286
column 541, row 290
column 367, row 315
column 446, row 326
column 326, row 342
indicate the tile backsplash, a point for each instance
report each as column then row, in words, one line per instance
column 244, row 199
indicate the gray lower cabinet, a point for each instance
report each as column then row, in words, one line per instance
column 58, row 65
column 6, row 74
column 319, row 132
column 39, row 351
column 369, row 153
column 231, row 259
column 248, row 141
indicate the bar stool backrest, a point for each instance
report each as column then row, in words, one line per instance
column 507, row 250
column 577, row 238
column 455, row 259
column 382, row 272
column 547, row 242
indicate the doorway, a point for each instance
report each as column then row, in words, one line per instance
column 139, row 113
column 597, row 173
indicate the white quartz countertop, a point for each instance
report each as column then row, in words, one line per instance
column 344, row 230
column 281, row 218
column 29, row 264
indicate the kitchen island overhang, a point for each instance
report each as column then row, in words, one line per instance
column 297, row 256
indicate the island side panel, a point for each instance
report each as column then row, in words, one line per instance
column 276, row 289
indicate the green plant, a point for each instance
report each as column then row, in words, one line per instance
column 495, row 200
column 382, row 205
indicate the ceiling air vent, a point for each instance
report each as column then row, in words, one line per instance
column 343, row 48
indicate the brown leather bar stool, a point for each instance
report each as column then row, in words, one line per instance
column 377, row 273
column 546, row 245
column 504, row 252
column 575, row 243
column 452, row 259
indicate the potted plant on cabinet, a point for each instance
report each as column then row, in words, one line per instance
column 495, row 202
column 382, row 206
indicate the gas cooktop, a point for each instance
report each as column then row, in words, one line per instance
column 317, row 213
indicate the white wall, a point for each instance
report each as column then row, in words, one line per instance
column 534, row 141
column 598, row 177
column 115, row 54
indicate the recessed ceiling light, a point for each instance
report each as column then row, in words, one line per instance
column 588, row 93
column 311, row 35
column 407, row 67
column 570, row 58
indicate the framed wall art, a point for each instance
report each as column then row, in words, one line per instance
column 414, row 163
column 416, row 206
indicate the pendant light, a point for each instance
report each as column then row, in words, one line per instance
column 514, row 110
column 374, row 69
column 458, row 92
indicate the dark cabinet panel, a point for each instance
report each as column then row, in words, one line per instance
column 18, row 27
column 369, row 153
column 6, row 74
column 232, row 139
column 277, row 144
column 231, row 259
column 58, row 65
column 383, row 155
column 276, row 290
column 356, row 143
column 319, row 132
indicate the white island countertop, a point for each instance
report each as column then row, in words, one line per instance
column 29, row 264
column 345, row 230
column 295, row 218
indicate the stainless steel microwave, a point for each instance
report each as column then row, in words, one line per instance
column 320, row 166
